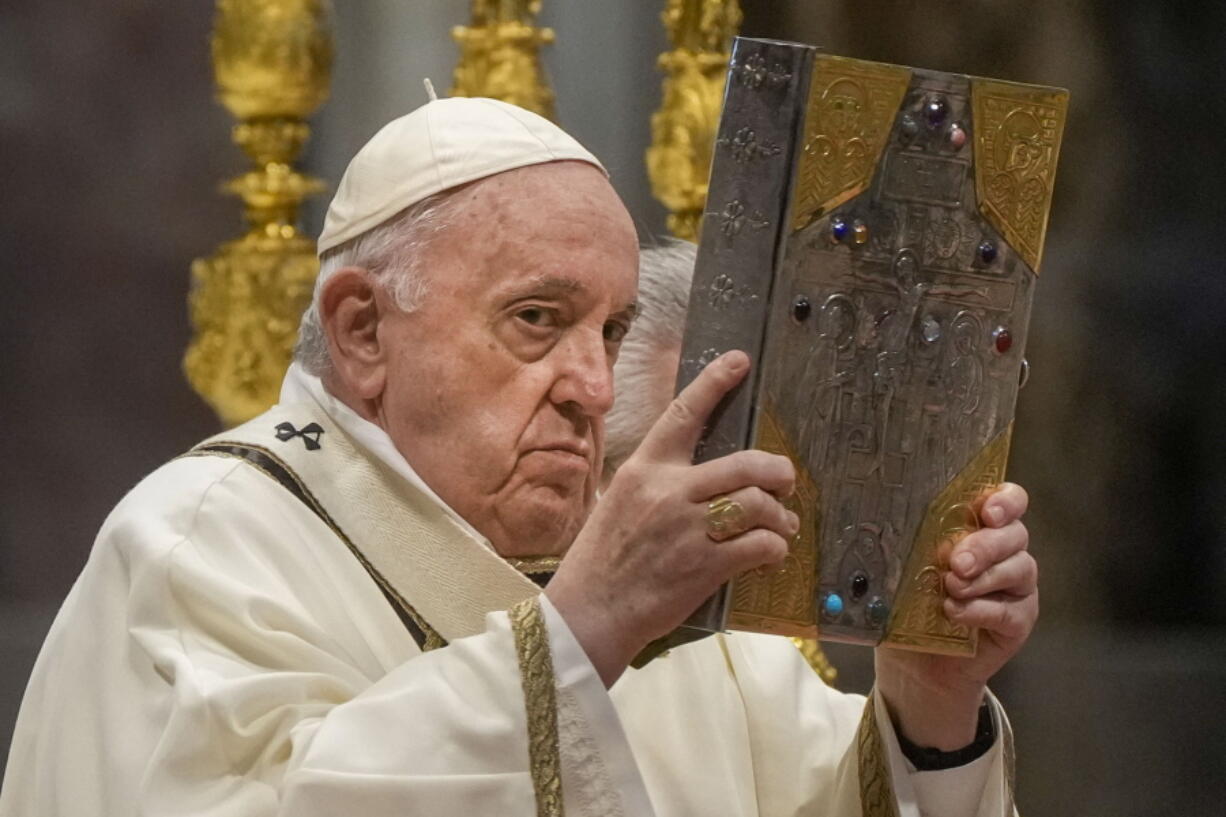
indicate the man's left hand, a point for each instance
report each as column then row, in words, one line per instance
column 992, row 584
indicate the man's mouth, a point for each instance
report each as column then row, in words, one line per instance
column 565, row 456
column 573, row 452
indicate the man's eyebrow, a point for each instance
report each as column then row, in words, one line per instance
column 560, row 284
column 549, row 284
column 631, row 311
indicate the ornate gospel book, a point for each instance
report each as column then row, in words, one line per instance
column 872, row 240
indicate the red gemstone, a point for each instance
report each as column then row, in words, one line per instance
column 957, row 136
column 1004, row 340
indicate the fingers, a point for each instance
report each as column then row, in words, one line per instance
column 1003, row 615
column 1016, row 576
column 677, row 431
column 753, row 549
column 1004, row 505
column 980, row 550
column 770, row 472
column 759, row 510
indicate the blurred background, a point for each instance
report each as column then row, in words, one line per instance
column 112, row 149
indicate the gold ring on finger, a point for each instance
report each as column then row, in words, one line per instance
column 725, row 518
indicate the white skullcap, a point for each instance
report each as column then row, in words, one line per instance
column 444, row 143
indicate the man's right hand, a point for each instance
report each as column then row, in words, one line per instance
column 645, row 559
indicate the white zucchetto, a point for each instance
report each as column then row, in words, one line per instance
column 442, row 144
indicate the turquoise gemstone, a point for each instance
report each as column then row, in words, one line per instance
column 834, row 605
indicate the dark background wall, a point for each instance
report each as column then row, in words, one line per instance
column 111, row 150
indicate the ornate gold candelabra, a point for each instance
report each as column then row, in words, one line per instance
column 683, row 130
column 500, row 55
column 272, row 61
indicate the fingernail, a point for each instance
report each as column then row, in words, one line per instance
column 964, row 562
column 793, row 523
column 994, row 515
column 736, row 361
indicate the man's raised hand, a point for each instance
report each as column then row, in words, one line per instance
column 647, row 558
column 992, row 584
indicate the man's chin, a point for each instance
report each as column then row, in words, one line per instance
column 540, row 526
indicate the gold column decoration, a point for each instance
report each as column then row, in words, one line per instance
column 500, row 55
column 812, row 651
column 683, row 130
column 272, row 60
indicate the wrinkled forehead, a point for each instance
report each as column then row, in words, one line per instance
column 550, row 190
column 560, row 222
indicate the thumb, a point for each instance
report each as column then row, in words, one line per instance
column 677, row 431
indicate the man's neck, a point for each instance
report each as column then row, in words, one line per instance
column 336, row 387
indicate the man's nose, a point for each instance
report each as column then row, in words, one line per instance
column 585, row 375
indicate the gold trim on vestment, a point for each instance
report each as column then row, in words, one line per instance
column 876, row 787
column 541, row 704
column 433, row 639
column 535, row 565
column 1010, row 756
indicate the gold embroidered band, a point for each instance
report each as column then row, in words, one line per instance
column 540, row 701
column 876, row 788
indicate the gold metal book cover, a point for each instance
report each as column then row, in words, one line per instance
column 872, row 239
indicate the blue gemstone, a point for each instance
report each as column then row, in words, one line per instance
column 935, row 111
column 839, row 228
column 833, row 605
column 909, row 127
column 987, row 252
column 876, row 611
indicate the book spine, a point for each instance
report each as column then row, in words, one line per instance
column 743, row 226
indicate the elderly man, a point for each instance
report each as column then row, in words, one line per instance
column 327, row 610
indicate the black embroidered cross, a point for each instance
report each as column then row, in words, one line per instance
column 309, row 434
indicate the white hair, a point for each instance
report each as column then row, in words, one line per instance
column 392, row 252
column 645, row 368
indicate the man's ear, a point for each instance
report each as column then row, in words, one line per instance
column 350, row 311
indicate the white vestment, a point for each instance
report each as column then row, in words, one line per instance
column 233, row 648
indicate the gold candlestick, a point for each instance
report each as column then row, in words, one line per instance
column 500, row 55
column 683, row 130
column 272, row 61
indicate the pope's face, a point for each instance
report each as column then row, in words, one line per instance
column 498, row 382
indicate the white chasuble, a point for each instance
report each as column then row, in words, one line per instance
column 281, row 623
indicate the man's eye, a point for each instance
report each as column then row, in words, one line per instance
column 537, row 316
column 614, row 331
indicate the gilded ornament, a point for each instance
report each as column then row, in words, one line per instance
column 272, row 58
column 272, row 61
column 783, row 602
column 1017, row 142
column 850, row 112
column 683, row 130
column 919, row 621
column 500, row 55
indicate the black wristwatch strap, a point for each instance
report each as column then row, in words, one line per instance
column 927, row 759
